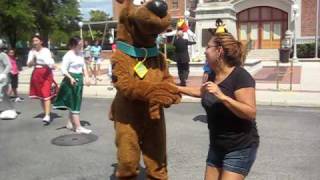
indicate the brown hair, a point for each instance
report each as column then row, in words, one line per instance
column 38, row 37
column 234, row 51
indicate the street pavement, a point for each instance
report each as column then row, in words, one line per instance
column 289, row 148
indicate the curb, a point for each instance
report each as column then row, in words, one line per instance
column 263, row 97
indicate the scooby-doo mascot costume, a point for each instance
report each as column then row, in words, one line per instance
column 144, row 86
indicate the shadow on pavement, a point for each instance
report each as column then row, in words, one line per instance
column 83, row 123
column 141, row 175
column 201, row 118
column 52, row 116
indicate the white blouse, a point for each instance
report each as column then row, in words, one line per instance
column 72, row 62
column 42, row 57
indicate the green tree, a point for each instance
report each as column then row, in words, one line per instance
column 97, row 15
column 21, row 18
column 16, row 20
column 56, row 15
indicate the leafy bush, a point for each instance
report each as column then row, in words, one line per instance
column 171, row 52
column 58, row 54
column 307, row 50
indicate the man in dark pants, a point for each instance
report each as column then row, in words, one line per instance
column 182, row 57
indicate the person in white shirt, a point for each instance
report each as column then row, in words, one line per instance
column 70, row 92
column 8, row 112
column 42, row 77
column 88, row 57
column 96, row 55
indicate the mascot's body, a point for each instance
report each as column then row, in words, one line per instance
column 144, row 87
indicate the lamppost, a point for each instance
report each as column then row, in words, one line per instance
column 295, row 9
column 81, row 25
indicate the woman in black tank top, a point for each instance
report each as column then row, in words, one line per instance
column 229, row 100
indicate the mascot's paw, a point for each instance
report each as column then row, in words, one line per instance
column 165, row 94
column 167, row 87
column 162, row 99
column 154, row 111
column 177, row 99
column 8, row 114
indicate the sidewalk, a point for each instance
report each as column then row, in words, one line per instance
column 305, row 93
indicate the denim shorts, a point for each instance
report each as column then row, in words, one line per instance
column 238, row 161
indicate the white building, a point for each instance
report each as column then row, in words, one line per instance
column 261, row 23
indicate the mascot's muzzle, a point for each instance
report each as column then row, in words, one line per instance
column 158, row 7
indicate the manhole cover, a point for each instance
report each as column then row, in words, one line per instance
column 74, row 139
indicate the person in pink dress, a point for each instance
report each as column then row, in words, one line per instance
column 14, row 76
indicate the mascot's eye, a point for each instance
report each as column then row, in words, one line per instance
column 138, row 2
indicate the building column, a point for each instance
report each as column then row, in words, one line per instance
column 206, row 15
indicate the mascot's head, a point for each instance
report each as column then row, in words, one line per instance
column 141, row 21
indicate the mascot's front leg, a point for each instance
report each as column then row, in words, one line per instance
column 146, row 136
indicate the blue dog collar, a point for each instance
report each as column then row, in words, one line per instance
column 137, row 52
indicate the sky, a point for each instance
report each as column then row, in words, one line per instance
column 87, row 5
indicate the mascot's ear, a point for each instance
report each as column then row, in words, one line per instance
column 123, row 1
column 120, row 1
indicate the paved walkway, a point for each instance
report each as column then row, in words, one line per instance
column 289, row 144
column 305, row 87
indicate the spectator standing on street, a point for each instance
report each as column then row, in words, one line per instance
column 5, row 67
column 88, row 57
column 182, row 57
column 206, row 72
column 96, row 55
column 41, row 82
column 70, row 93
column 14, row 76
column 229, row 100
column 113, row 49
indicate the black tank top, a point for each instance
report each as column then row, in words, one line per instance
column 228, row 132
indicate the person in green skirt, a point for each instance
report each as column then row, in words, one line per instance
column 70, row 93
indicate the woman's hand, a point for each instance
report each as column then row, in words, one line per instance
column 31, row 63
column 190, row 91
column 87, row 81
column 54, row 67
column 214, row 89
column 72, row 81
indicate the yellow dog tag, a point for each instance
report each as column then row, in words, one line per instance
column 140, row 69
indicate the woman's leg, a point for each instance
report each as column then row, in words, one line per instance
column 46, row 105
column 88, row 65
column 98, row 69
column 75, row 118
column 10, row 91
column 95, row 72
column 77, row 125
column 14, row 85
column 14, row 91
column 227, row 175
column 69, row 124
column 212, row 173
column 42, row 106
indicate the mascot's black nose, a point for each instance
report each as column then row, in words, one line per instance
column 158, row 7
